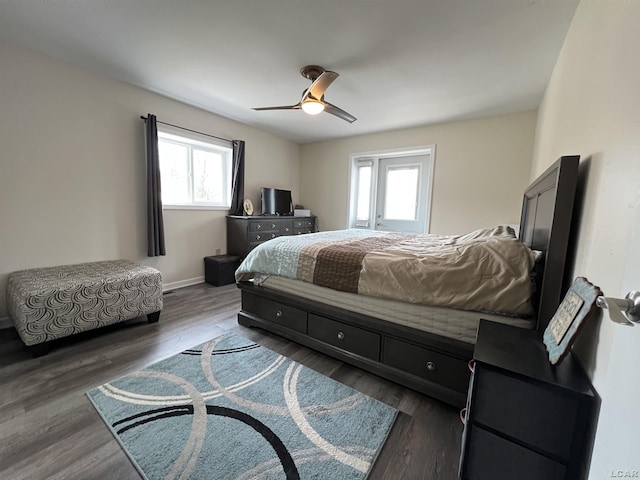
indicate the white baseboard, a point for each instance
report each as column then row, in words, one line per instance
column 182, row 283
column 5, row 322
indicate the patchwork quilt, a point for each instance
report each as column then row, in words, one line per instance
column 486, row 270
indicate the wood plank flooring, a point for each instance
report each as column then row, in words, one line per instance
column 50, row 430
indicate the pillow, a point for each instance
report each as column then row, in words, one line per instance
column 503, row 231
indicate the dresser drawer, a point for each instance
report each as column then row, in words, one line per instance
column 491, row 456
column 305, row 224
column 428, row 364
column 262, row 226
column 279, row 313
column 259, row 237
column 347, row 337
column 285, row 227
column 541, row 417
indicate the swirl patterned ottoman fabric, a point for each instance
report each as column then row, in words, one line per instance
column 49, row 303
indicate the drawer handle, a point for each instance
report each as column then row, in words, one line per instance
column 472, row 365
column 273, row 225
column 431, row 366
column 258, row 237
column 273, row 235
column 340, row 335
column 286, row 229
column 279, row 313
column 463, row 416
column 258, row 227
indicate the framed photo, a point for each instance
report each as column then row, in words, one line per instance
column 577, row 305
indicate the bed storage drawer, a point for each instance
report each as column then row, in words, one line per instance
column 347, row 337
column 428, row 364
column 279, row 313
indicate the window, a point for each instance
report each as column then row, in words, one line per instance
column 391, row 190
column 363, row 190
column 195, row 171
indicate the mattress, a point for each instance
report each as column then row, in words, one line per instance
column 460, row 325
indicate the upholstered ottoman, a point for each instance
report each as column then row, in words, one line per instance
column 49, row 303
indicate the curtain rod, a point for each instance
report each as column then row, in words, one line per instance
column 189, row 130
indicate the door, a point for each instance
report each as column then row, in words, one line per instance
column 402, row 194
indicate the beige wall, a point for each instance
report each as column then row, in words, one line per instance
column 481, row 169
column 592, row 107
column 72, row 171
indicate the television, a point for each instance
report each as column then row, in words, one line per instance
column 276, row 201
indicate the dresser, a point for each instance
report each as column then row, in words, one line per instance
column 245, row 233
column 525, row 419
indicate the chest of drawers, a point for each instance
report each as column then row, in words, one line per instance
column 246, row 233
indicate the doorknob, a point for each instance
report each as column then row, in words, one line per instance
column 622, row 310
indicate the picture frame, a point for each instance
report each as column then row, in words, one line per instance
column 578, row 304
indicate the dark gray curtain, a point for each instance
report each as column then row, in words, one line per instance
column 237, row 180
column 155, row 222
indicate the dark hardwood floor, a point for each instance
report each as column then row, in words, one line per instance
column 50, row 430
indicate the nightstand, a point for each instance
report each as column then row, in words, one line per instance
column 525, row 419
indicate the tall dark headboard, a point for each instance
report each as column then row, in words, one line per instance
column 545, row 225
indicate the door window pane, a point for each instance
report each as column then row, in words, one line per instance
column 363, row 205
column 401, row 202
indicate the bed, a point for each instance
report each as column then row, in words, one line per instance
column 425, row 347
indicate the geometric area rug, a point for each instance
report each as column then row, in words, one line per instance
column 231, row 409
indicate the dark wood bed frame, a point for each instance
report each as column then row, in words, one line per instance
column 431, row 364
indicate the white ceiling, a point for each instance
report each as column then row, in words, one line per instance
column 402, row 63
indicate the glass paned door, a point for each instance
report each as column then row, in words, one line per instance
column 401, row 205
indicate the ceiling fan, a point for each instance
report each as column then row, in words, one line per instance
column 312, row 101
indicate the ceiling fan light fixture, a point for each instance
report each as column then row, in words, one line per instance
column 312, row 107
column 312, row 101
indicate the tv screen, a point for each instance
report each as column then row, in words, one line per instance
column 276, row 202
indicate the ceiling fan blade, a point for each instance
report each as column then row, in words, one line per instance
column 283, row 107
column 338, row 112
column 320, row 85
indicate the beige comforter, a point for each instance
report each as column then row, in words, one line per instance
column 486, row 270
